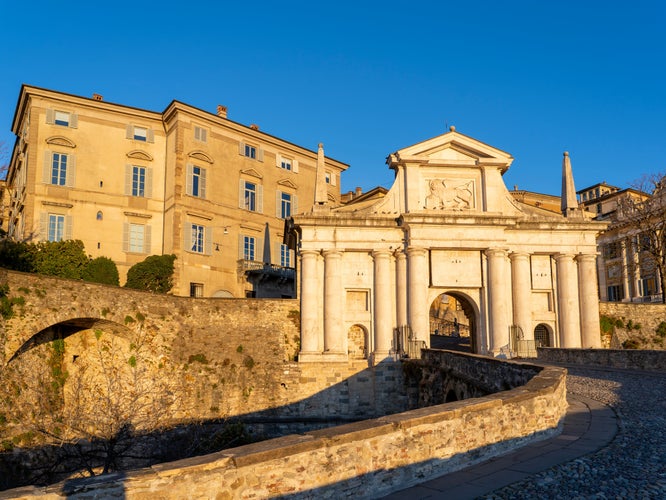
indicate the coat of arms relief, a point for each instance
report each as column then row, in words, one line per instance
column 449, row 195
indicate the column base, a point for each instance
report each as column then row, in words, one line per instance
column 382, row 357
column 310, row 357
column 337, row 356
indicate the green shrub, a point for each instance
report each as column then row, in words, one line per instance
column 619, row 323
column 661, row 329
column 16, row 255
column 101, row 270
column 154, row 274
column 606, row 324
column 631, row 344
column 65, row 259
column 198, row 358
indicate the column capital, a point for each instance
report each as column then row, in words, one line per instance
column 310, row 253
column 496, row 252
column 586, row 257
column 416, row 251
column 332, row 252
column 563, row 256
column 381, row 252
column 519, row 255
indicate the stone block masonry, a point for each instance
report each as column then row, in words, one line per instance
column 366, row 459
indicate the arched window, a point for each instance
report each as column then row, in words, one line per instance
column 100, row 215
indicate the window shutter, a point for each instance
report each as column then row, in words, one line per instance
column 68, row 227
column 126, row 236
column 128, row 180
column 148, row 188
column 188, row 181
column 278, row 204
column 187, row 237
column 241, row 246
column 49, row 116
column 241, row 194
column 208, row 240
column 202, row 183
column 294, row 166
column 129, row 132
column 44, row 226
column 259, row 249
column 278, row 160
column 74, row 120
column 241, row 148
column 146, row 239
column 71, row 170
column 277, row 255
column 48, row 159
column 294, row 204
column 334, row 180
column 150, row 135
column 260, row 154
column 260, row 198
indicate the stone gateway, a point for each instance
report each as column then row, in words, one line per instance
column 370, row 269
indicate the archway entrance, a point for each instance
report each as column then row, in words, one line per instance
column 542, row 336
column 357, row 342
column 452, row 323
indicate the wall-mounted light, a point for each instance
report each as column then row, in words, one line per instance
column 226, row 230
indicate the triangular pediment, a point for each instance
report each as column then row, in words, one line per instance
column 452, row 148
column 287, row 183
column 251, row 172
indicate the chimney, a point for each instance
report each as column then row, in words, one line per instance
column 254, row 126
column 359, row 191
column 97, row 97
column 221, row 111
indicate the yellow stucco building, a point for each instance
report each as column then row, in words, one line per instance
column 131, row 183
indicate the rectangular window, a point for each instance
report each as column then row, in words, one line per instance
column 250, row 196
column 197, row 238
column 196, row 181
column 200, row 134
column 328, row 178
column 61, row 118
column 138, row 181
column 56, row 227
column 140, row 134
column 285, row 205
column 285, row 164
column 249, row 244
column 250, row 151
column 196, row 290
column 285, row 256
column 615, row 293
column 136, row 238
column 59, row 169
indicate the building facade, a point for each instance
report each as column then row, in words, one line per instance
column 371, row 273
column 131, row 183
column 627, row 273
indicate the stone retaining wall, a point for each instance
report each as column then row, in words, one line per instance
column 369, row 458
column 613, row 358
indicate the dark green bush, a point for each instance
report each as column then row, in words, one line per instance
column 16, row 255
column 155, row 274
column 101, row 270
column 631, row 344
column 65, row 259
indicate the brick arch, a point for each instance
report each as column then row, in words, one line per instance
column 65, row 328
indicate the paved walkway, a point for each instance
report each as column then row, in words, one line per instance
column 588, row 426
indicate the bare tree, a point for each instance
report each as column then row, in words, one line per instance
column 95, row 405
column 4, row 159
column 644, row 217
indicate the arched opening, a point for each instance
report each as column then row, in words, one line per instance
column 452, row 323
column 542, row 336
column 357, row 342
column 223, row 294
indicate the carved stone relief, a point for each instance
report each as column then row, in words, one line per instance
column 443, row 195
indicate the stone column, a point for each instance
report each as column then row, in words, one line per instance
column 521, row 288
column 625, row 273
column 589, row 300
column 497, row 303
column 382, row 295
column 309, row 304
column 401, row 287
column 333, row 329
column 418, row 280
column 567, row 298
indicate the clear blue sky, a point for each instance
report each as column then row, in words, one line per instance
column 533, row 78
